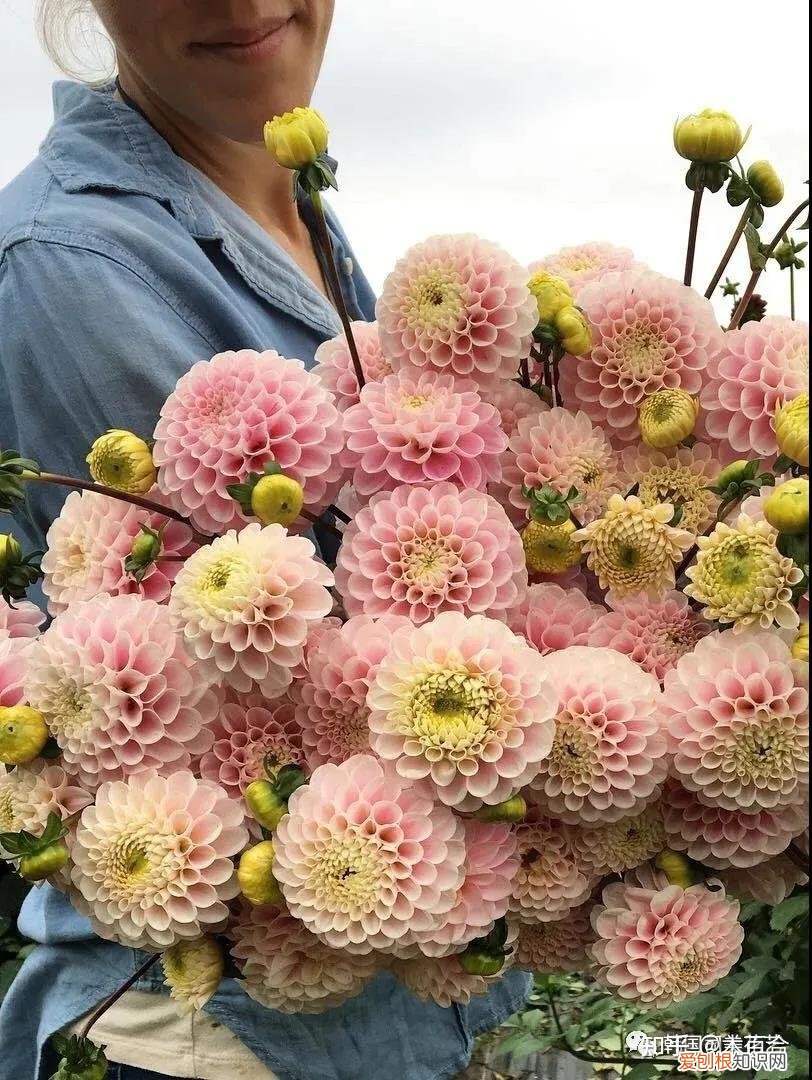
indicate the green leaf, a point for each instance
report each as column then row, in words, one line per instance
column 755, row 249
column 790, row 910
column 800, row 1034
column 738, row 190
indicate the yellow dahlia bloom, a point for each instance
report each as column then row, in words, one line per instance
column 632, row 548
column 193, row 970
column 296, row 138
column 122, row 461
column 667, row 417
column 741, row 577
column 792, row 429
column 552, row 294
column 681, row 477
column 549, row 549
column 800, row 646
column 711, row 136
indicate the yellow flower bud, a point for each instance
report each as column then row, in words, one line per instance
column 787, row 507
column 277, row 499
column 193, row 970
column 733, row 473
column 23, row 734
column 676, row 868
column 800, row 646
column 43, row 864
column 549, row 549
column 711, row 137
column 297, row 138
column 552, row 294
column 10, row 551
column 574, row 330
column 513, row 809
column 255, row 875
column 792, row 429
column 122, row 461
column 766, row 183
column 266, row 806
column 666, row 418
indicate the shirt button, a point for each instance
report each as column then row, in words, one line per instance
column 348, row 266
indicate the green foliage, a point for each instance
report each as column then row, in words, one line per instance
column 80, row 1059
column 13, row 948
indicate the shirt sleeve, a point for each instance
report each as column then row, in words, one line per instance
column 87, row 343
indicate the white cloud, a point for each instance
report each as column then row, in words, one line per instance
column 534, row 124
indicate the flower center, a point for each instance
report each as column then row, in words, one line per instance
column 682, row 487
column 345, row 731
column 454, row 714
column 686, row 973
column 348, row 873
column 736, row 564
column 70, row 711
column 8, row 812
column 414, row 401
column 763, row 752
column 642, row 351
column 428, row 562
column 224, row 584
column 140, row 862
column 434, row 300
column 574, row 756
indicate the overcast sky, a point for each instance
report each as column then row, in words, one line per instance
column 533, row 123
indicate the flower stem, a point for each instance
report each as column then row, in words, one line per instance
column 113, row 493
column 113, row 998
column 334, row 510
column 582, row 1055
column 741, row 307
column 791, row 290
column 334, row 283
column 524, row 372
column 693, row 228
column 731, row 247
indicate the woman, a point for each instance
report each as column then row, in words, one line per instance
column 153, row 230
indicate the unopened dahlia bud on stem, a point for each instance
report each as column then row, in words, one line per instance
column 709, row 137
column 10, row 550
column 256, row 877
column 550, row 549
column 552, row 294
column 193, row 970
column 277, row 500
column 122, row 460
column 574, row 330
column 667, row 417
column 792, row 429
column 296, row 139
column 765, row 181
column 787, row 508
column 23, row 734
column 800, row 646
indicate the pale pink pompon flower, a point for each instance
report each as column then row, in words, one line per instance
column 608, row 758
column 514, row 402
column 421, row 428
column 761, row 365
column 335, row 368
column 556, row 947
column 152, row 859
column 89, row 541
column 662, row 944
column 228, row 417
column 462, row 702
column 13, row 654
column 118, row 690
column 458, row 305
column 551, row 618
column 770, row 882
column 441, row 979
column 245, row 604
column 649, row 333
column 586, row 263
column 552, row 878
column 22, row 620
column 287, row 968
column 736, row 711
column 420, row 551
column 28, row 794
column 365, row 859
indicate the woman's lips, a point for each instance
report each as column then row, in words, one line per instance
column 246, row 45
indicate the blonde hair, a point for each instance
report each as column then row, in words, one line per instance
column 75, row 41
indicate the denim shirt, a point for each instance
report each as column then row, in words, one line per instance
column 118, row 271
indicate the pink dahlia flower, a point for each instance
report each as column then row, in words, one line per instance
column 770, row 882
column 563, row 449
column 736, row 712
column 608, row 757
column 316, row 633
column 30, row 793
column 420, row 551
column 91, row 539
column 552, row 878
column 723, row 838
column 118, row 690
column 441, row 979
column 461, row 701
column 586, row 263
column 152, row 859
column 551, row 618
column 615, row 846
column 287, row 968
column 458, row 305
column 245, row 604
column 230, row 416
column 556, row 947
column 332, row 711
column 14, row 653
column 649, row 333
column 760, row 365
column 22, row 620
column 661, row 945
column 366, row 860
column 491, row 863
column 653, row 633
column 335, row 368
column 421, row 429
column 514, row 402
column 253, row 738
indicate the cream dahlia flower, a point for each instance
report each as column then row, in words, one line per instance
column 556, row 947
column 632, row 548
column 28, row 794
column 681, row 477
column 552, row 878
column 152, row 859
column 441, row 979
column 741, row 577
column 615, row 846
column 461, row 702
column 770, row 882
column 23, row 620
column 245, row 604
column 193, row 970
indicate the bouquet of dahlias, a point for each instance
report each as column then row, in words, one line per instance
column 549, row 706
